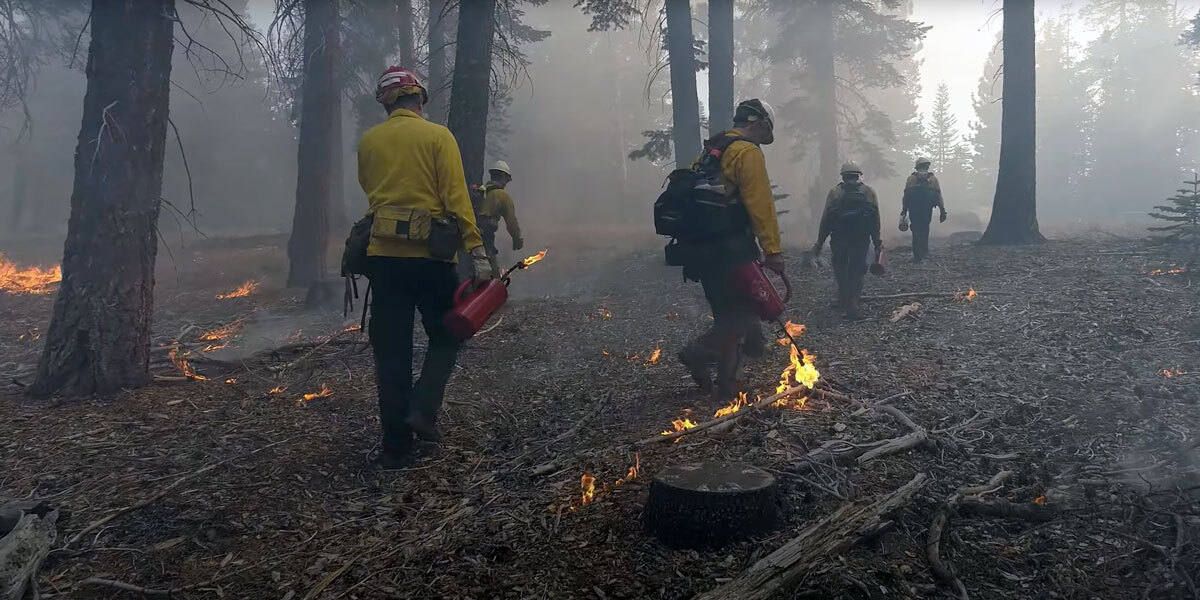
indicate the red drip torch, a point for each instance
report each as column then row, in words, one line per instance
column 764, row 296
column 473, row 308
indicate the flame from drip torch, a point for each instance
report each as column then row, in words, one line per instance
column 801, row 370
column 242, row 290
column 179, row 358
column 587, row 483
column 324, row 393
column 535, row 258
column 794, row 330
column 33, row 280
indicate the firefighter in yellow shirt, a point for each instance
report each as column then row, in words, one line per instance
column 495, row 204
column 743, row 174
column 412, row 174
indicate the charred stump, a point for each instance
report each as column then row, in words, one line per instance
column 711, row 504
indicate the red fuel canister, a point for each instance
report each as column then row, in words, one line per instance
column 473, row 309
column 752, row 279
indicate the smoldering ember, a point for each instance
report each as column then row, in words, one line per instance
column 719, row 299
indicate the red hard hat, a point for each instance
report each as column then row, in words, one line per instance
column 398, row 81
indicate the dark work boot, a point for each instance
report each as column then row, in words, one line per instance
column 423, row 427
column 393, row 460
column 754, row 345
column 695, row 362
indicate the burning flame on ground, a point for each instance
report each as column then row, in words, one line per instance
column 654, row 357
column 350, row 328
column 1176, row 372
column 801, row 370
column 535, row 258
column 602, row 313
column 33, row 280
column 604, row 352
column 634, row 470
column 231, row 380
column 276, row 390
column 243, row 290
column 967, row 297
column 1172, row 270
column 32, row 336
column 795, row 330
column 180, row 360
column 680, row 425
column 672, row 315
column 734, row 406
column 588, row 485
column 1039, row 500
column 324, row 393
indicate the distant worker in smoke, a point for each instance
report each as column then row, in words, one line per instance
column 412, row 174
column 922, row 193
column 850, row 221
column 715, row 245
column 493, row 204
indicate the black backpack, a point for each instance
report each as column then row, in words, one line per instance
column 694, row 207
column 921, row 194
column 854, row 205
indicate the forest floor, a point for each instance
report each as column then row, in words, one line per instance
column 1057, row 370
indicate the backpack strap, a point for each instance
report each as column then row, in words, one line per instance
column 714, row 149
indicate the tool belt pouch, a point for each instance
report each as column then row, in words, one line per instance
column 354, row 257
column 401, row 223
column 445, row 237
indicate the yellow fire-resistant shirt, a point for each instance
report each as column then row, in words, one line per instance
column 409, row 162
column 744, row 174
column 498, row 204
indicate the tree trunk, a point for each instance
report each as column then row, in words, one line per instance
column 720, row 65
column 99, row 336
column 439, row 93
column 319, row 145
column 408, row 56
column 469, row 97
column 825, row 84
column 685, row 104
column 1014, row 210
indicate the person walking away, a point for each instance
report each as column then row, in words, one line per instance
column 495, row 204
column 850, row 221
column 922, row 193
column 735, row 159
column 412, row 174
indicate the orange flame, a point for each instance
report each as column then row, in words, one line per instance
column 324, row 393
column 276, row 390
column 1039, row 500
column 966, row 297
column 795, row 330
column 1172, row 270
column 734, row 406
column 242, row 290
column 33, row 280
column 673, row 315
column 231, row 380
column 535, row 258
column 604, row 352
column 350, row 328
column 1176, row 372
column 179, row 358
column 588, row 485
column 654, row 357
column 680, row 425
column 800, row 370
column 603, row 313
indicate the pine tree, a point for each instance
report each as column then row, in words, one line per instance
column 942, row 131
column 1183, row 214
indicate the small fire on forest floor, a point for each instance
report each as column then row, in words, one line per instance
column 587, row 483
column 31, row 280
column 220, row 337
column 965, row 297
column 242, row 290
column 655, row 356
column 1176, row 372
column 324, row 393
column 179, row 359
column 601, row 313
column 1170, row 270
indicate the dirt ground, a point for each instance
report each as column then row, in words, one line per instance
column 1057, row 370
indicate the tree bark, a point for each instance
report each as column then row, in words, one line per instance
column 469, row 97
column 439, row 96
column 319, row 152
column 408, row 55
column 720, row 65
column 99, row 336
column 1014, row 209
column 825, row 84
column 685, row 104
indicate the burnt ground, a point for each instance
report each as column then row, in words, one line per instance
column 1057, row 375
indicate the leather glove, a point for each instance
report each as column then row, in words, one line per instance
column 483, row 266
column 942, row 217
column 518, row 243
column 774, row 262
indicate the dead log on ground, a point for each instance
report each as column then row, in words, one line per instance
column 23, row 548
column 849, row 525
column 745, row 410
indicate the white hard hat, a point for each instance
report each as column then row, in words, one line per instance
column 502, row 167
column 757, row 109
column 851, row 167
column 922, row 161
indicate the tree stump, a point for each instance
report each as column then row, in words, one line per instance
column 710, row 504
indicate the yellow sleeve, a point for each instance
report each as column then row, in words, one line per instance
column 452, row 188
column 509, row 212
column 937, row 186
column 750, row 173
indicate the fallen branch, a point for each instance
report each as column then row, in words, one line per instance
column 931, row 295
column 604, row 398
column 745, row 410
column 116, row 514
column 1038, row 513
column 849, row 525
column 941, row 520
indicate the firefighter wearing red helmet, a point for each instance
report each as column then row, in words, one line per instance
column 411, row 172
